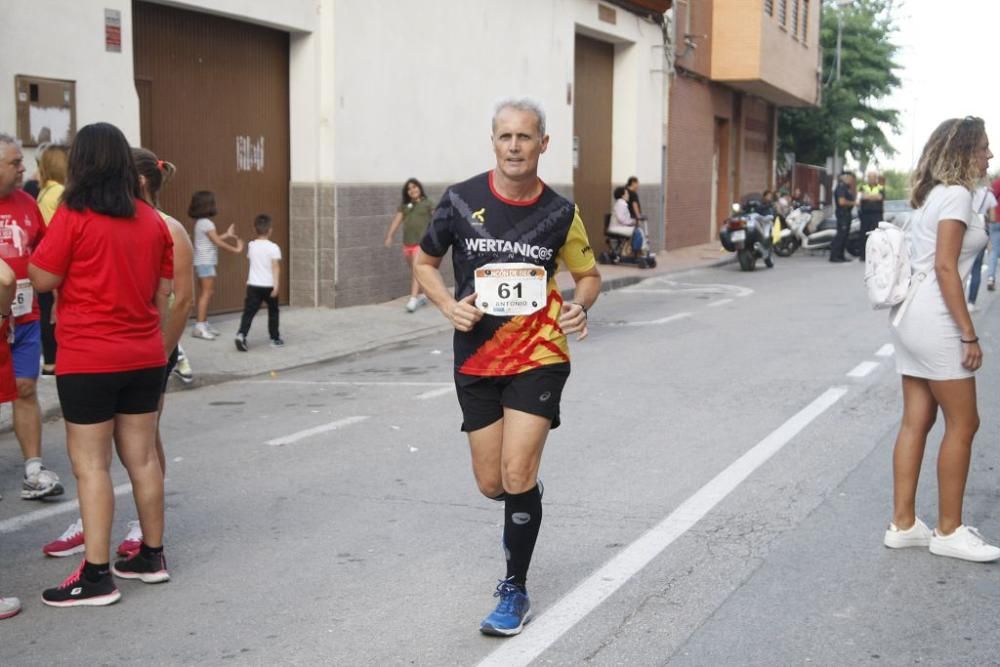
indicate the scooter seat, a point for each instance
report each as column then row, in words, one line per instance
column 828, row 223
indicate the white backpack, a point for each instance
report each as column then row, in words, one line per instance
column 887, row 266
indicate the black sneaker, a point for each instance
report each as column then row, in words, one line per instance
column 150, row 569
column 78, row 591
column 241, row 342
column 277, row 342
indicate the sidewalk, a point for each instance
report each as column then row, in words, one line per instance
column 314, row 335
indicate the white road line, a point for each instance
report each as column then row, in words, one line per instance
column 862, row 369
column 557, row 620
column 434, row 393
column 886, row 350
column 347, row 383
column 316, row 430
column 18, row 522
column 720, row 302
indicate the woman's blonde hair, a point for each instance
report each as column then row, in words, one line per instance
column 949, row 158
column 52, row 162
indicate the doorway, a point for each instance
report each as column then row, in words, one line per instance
column 593, row 76
column 721, row 198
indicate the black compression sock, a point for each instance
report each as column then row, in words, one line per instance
column 94, row 571
column 522, row 519
column 148, row 551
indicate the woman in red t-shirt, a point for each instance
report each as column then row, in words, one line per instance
column 111, row 257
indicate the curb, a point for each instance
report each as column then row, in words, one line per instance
column 207, row 380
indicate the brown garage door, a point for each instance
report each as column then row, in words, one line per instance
column 213, row 96
column 594, row 78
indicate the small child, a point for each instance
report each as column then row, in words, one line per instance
column 262, row 283
column 207, row 242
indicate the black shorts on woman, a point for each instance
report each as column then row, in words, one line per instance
column 92, row 398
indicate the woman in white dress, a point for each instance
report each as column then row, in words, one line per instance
column 937, row 349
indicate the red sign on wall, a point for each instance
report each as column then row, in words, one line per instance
column 113, row 30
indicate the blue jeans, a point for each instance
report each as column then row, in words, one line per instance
column 976, row 276
column 994, row 228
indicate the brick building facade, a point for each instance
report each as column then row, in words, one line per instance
column 736, row 63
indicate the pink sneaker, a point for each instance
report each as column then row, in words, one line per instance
column 132, row 541
column 69, row 543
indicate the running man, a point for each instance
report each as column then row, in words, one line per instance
column 510, row 364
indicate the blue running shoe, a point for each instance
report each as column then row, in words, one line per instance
column 511, row 614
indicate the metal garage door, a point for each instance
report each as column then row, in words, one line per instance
column 213, row 96
column 592, row 187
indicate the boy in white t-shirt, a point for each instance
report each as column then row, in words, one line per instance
column 262, row 283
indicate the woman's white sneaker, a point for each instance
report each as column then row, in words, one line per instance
column 917, row 535
column 965, row 543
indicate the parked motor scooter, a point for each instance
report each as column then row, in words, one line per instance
column 748, row 233
column 810, row 230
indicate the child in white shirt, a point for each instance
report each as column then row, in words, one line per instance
column 262, row 283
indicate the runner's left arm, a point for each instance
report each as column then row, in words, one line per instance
column 578, row 257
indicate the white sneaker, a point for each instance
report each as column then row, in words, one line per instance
column 412, row 304
column 965, row 543
column 971, row 307
column 202, row 332
column 212, row 330
column 9, row 607
column 41, row 484
column 183, row 367
column 917, row 535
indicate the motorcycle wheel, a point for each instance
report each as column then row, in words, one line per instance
column 786, row 247
column 747, row 260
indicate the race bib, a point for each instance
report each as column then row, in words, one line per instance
column 511, row 289
column 24, row 298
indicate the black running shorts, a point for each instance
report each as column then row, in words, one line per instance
column 536, row 392
column 92, row 398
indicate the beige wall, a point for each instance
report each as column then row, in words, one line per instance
column 753, row 51
column 789, row 61
column 736, row 35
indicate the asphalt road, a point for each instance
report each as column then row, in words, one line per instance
column 716, row 496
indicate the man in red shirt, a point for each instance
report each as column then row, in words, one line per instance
column 21, row 228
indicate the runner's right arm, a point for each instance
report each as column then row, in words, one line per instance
column 462, row 314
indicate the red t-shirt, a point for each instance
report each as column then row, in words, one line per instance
column 111, row 269
column 8, row 385
column 21, row 230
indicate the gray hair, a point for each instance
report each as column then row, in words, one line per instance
column 521, row 104
column 7, row 140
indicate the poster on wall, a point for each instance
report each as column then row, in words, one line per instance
column 46, row 110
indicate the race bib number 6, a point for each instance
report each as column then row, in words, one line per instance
column 510, row 289
column 23, row 299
